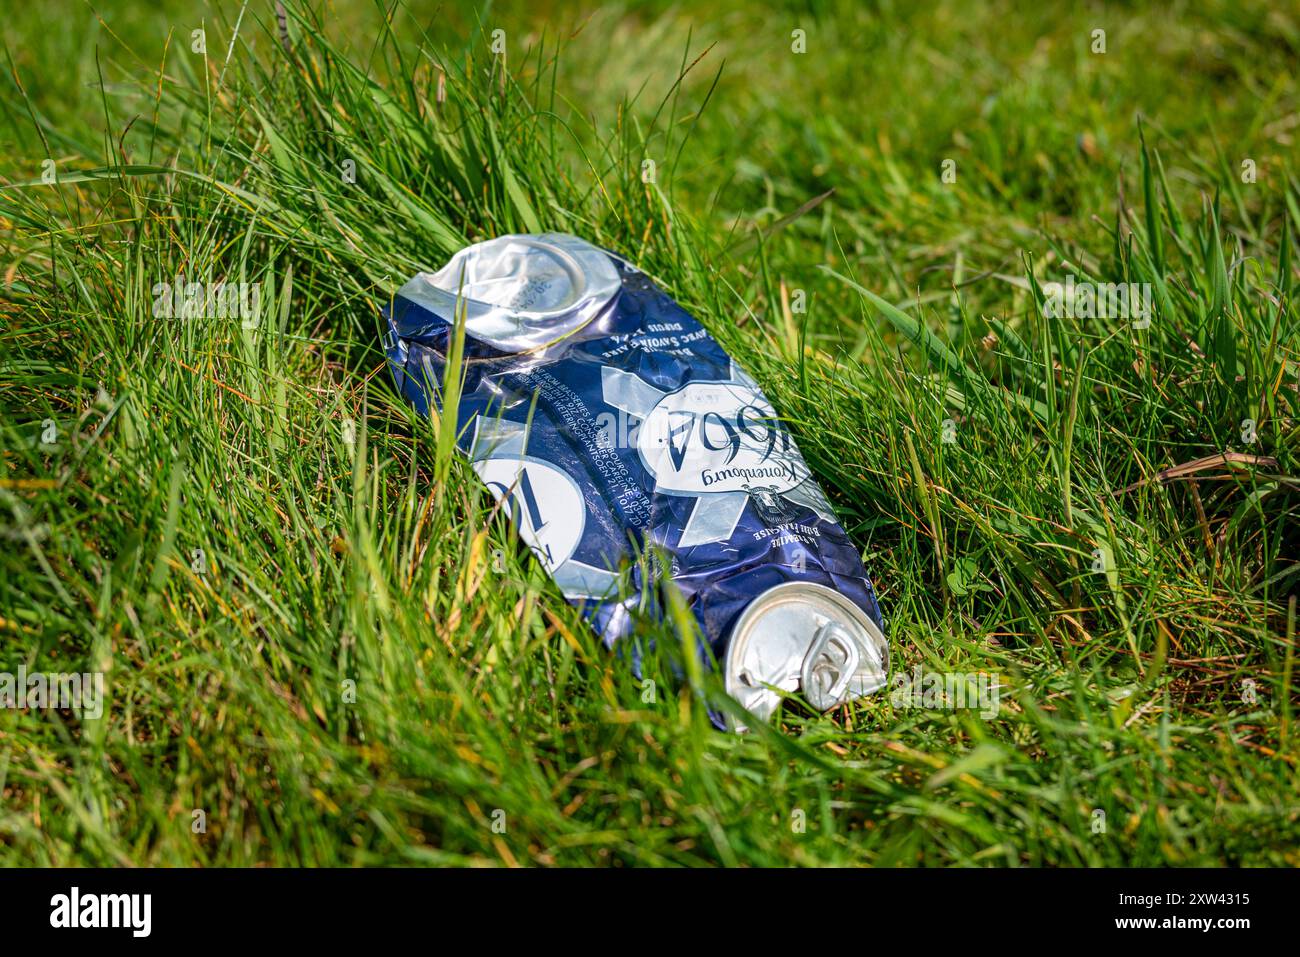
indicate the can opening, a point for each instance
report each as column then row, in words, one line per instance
column 805, row 637
column 829, row 667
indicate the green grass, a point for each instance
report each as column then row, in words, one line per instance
column 317, row 632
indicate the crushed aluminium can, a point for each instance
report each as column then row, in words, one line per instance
column 611, row 423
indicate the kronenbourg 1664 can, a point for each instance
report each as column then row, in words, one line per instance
column 613, row 425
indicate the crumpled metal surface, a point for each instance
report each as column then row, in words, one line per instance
column 643, row 431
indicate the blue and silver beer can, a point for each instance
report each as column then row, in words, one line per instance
column 612, row 425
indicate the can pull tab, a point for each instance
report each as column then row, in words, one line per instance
column 829, row 666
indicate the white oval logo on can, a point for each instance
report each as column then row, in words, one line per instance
column 718, row 437
column 545, row 505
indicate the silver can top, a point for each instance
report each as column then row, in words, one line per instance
column 520, row 292
column 805, row 637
